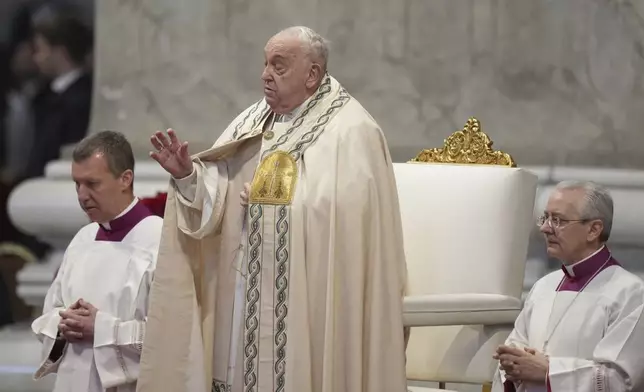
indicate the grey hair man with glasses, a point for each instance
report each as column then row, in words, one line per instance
column 581, row 328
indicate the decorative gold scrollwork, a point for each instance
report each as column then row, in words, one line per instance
column 275, row 179
column 468, row 146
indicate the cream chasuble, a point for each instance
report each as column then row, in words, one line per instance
column 111, row 269
column 302, row 290
column 588, row 319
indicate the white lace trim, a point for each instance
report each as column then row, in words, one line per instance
column 600, row 379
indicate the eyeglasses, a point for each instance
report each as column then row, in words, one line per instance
column 555, row 221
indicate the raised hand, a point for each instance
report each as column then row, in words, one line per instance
column 171, row 154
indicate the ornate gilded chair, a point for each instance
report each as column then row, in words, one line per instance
column 467, row 214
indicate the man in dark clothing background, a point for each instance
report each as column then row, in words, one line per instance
column 62, row 44
column 45, row 104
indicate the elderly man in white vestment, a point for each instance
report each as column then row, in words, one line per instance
column 281, row 267
column 94, row 316
column 581, row 329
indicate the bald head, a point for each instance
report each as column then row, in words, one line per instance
column 295, row 63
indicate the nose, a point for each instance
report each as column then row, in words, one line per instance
column 266, row 77
column 83, row 194
column 545, row 228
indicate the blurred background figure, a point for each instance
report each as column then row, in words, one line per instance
column 61, row 45
column 22, row 85
column 45, row 103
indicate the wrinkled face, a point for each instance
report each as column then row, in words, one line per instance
column 46, row 56
column 576, row 233
column 289, row 74
column 100, row 193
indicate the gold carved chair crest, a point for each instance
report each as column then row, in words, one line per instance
column 467, row 146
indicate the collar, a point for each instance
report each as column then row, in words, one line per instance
column 577, row 276
column 120, row 226
column 295, row 112
column 62, row 82
column 290, row 116
column 579, row 269
column 106, row 225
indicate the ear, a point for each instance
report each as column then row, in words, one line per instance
column 596, row 228
column 315, row 75
column 126, row 179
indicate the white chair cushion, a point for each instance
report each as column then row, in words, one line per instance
column 460, row 309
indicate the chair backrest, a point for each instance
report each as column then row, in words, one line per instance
column 467, row 215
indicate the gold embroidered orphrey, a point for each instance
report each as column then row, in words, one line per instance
column 468, row 146
column 274, row 180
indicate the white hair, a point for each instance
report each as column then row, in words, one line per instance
column 316, row 45
column 598, row 203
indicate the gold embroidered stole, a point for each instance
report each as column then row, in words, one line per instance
column 273, row 190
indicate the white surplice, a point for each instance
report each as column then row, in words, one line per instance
column 115, row 277
column 594, row 338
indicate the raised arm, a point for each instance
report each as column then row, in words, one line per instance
column 199, row 187
column 171, row 154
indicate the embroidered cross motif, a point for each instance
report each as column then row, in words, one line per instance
column 275, row 179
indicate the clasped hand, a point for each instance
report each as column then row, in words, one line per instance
column 522, row 365
column 77, row 322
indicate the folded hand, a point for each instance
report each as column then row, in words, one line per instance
column 77, row 322
column 526, row 365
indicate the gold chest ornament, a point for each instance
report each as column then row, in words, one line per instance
column 274, row 180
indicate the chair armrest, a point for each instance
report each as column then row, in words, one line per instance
column 460, row 309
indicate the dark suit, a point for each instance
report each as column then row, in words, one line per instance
column 60, row 119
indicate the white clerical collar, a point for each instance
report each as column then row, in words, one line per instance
column 62, row 82
column 570, row 268
column 106, row 225
column 288, row 116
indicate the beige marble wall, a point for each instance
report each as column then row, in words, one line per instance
column 552, row 81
